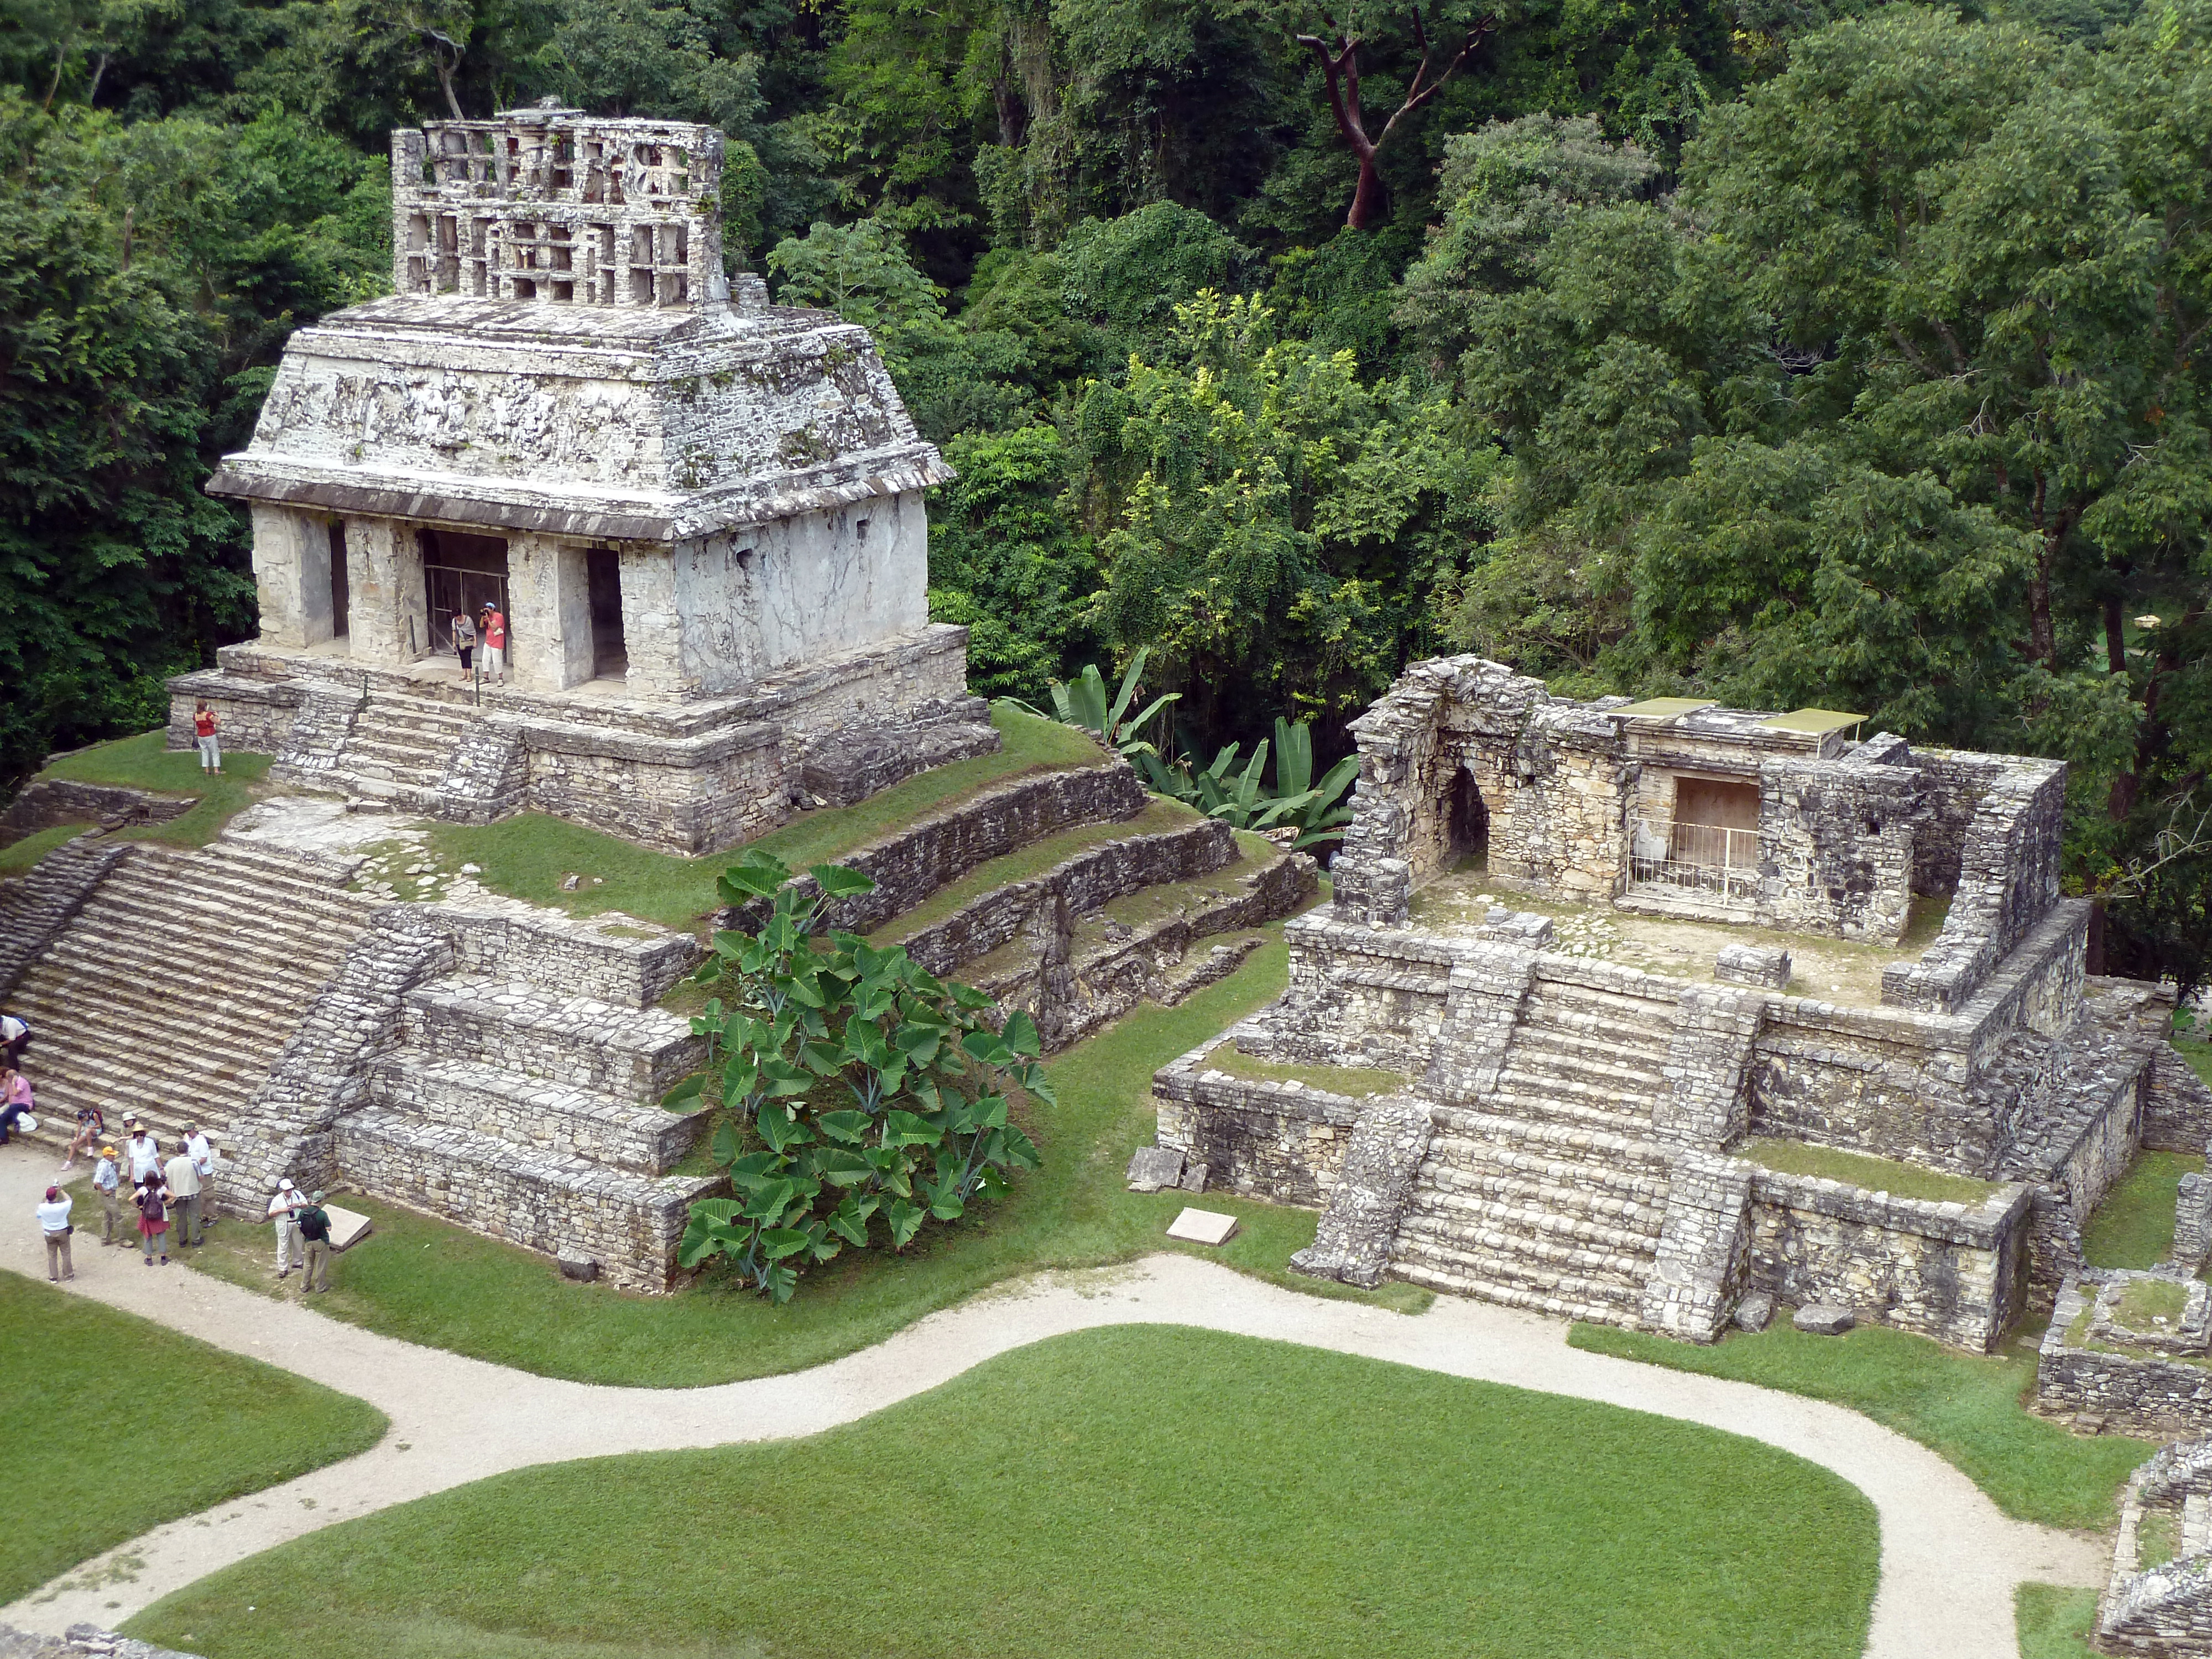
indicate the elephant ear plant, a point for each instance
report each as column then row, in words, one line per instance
column 861, row 1096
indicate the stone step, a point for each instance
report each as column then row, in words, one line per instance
column 69, row 1084
column 1466, row 1160
column 2196, row 1524
column 175, row 911
column 108, row 949
column 1606, row 1088
column 231, row 869
column 630, row 1224
column 397, row 755
column 169, row 1060
column 1480, row 1243
column 1636, row 1021
column 127, row 1015
column 397, row 797
column 1574, row 1142
column 273, row 865
column 1563, row 1296
column 1556, row 1191
column 1560, row 1054
column 553, row 1119
column 1559, row 1214
column 1540, row 1103
column 512, row 1026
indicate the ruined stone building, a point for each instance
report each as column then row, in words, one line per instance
column 701, row 514
column 1606, row 988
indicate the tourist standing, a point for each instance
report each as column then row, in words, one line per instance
column 493, row 662
column 204, row 723
column 153, row 1216
column 15, row 1099
column 200, row 1151
column 464, row 639
column 145, row 1153
column 107, row 1181
column 184, row 1184
column 284, row 1206
column 54, row 1223
column 315, row 1228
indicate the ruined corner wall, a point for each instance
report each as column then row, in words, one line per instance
column 1837, row 842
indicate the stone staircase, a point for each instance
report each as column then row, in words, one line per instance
column 534, row 1116
column 1549, row 1195
column 173, row 989
column 392, row 749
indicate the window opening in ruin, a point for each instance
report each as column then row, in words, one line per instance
column 603, row 582
column 1467, row 824
column 338, row 594
column 462, row 573
column 1708, row 844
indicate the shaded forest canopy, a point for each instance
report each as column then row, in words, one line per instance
column 1824, row 352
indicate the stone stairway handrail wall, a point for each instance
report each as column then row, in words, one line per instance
column 38, row 905
column 49, row 803
column 911, row 864
column 1382, row 1161
column 288, row 1128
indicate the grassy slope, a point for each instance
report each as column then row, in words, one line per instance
column 527, row 856
column 119, row 1425
column 1125, row 1492
column 2053, row 1622
column 1966, row 1408
column 2133, row 1226
column 141, row 763
column 22, row 855
column 1878, row 1175
column 430, row 1282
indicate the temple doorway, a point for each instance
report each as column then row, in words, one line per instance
column 603, row 581
column 461, row 572
column 1467, row 824
column 338, row 595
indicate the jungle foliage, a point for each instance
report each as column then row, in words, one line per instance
column 1834, row 352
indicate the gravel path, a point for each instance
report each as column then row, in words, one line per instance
column 1949, row 1560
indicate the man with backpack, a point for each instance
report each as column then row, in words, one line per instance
column 314, row 1224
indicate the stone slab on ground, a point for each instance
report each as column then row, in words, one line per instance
column 1194, row 1177
column 1755, row 1312
column 1203, row 1227
column 1824, row 1319
column 348, row 1227
column 1154, row 1167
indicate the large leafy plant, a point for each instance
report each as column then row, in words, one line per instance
column 1082, row 702
column 861, row 1096
column 1241, row 798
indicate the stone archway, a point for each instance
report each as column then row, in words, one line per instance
column 1467, row 819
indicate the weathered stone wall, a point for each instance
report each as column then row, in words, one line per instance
column 1563, row 826
column 687, row 795
column 2007, row 883
column 1351, row 1240
column 1280, row 1141
column 49, row 803
column 1360, row 995
column 255, row 716
column 573, row 958
column 2133, row 1394
column 1949, row 1270
column 2176, row 1106
column 910, row 865
column 1704, row 1248
column 1836, row 843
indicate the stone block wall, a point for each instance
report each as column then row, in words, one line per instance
column 2156, row 1398
column 1360, row 995
column 1836, row 843
column 2176, row 1106
column 255, row 716
column 572, row 959
column 1704, row 1248
column 1279, row 1141
column 48, row 803
column 1951, row 1271
column 685, row 795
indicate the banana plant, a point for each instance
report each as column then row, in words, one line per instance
column 1082, row 702
column 1222, row 791
column 1318, row 816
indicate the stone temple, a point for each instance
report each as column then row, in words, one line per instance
column 1650, row 1013
column 701, row 514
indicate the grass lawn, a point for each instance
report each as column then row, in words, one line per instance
column 20, row 856
column 121, row 1425
column 1877, row 1174
column 1115, row 1493
column 2053, row 1622
column 1355, row 1082
column 528, row 855
column 1966, row 1408
column 141, row 762
column 430, row 1282
column 2133, row 1226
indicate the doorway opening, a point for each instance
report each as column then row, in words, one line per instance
column 603, row 583
column 1467, row 824
column 461, row 574
column 338, row 625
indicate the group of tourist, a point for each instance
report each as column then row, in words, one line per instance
column 484, row 638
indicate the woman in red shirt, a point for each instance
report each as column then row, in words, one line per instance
column 204, row 726
column 493, row 627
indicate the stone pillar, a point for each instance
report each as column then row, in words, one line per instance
column 280, row 536
column 548, row 614
column 384, row 593
column 653, row 625
column 2192, row 1222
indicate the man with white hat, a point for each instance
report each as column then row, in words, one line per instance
column 284, row 1207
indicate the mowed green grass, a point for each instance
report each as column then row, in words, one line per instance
column 530, row 855
column 143, row 763
column 1120, row 1493
column 1965, row 1407
column 2053, row 1622
column 2133, row 1226
column 430, row 1282
column 116, row 1426
column 19, row 856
